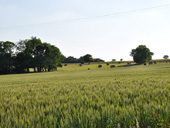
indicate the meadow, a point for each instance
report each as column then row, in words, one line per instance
column 74, row 97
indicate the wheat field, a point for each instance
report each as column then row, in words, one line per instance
column 74, row 97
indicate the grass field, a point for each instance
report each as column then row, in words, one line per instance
column 76, row 97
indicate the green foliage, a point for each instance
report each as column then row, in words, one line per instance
column 98, row 60
column 62, row 58
column 6, row 56
column 71, row 59
column 87, row 58
column 124, row 97
column 165, row 56
column 29, row 53
column 141, row 54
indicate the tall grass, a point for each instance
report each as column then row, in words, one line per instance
column 119, row 97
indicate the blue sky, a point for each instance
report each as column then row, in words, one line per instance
column 108, row 38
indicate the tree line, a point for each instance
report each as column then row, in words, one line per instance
column 40, row 56
column 29, row 53
column 83, row 59
column 34, row 54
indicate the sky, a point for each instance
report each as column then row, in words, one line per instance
column 106, row 29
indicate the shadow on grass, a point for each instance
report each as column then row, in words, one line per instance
column 129, row 65
column 25, row 72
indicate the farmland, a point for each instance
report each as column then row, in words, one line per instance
column 76, row 97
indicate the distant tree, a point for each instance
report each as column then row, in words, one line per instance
column 6, row 56
column 98, row 60
column 121, row 59
column 71, row 59
column 81, row 59
column 165, row 56
column 88, row 58
column 141, row 54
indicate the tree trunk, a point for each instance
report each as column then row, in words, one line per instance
column 34, row 69
column 38, row 69
column 28, row 70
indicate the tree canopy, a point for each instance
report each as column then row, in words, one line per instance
column 88, row 58
column 26, row 54
column 83, row 59
column 6, row 56
column 165, row 56
column 141, row 54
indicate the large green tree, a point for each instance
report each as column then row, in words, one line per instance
column 32, row 53
column 52, row 57
column 141, row 54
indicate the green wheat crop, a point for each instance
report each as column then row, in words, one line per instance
column 80, row 98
